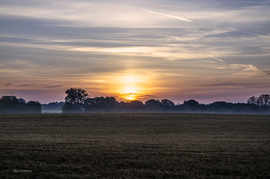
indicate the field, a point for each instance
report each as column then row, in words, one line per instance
column 134, row 146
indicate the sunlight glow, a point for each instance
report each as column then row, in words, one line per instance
column 130, row 88
column 131, row 97
column 126, row 86
column 125, row 50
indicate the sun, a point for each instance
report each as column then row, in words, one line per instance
column 129, row 92
column 129, row 89
column 130, row 86
column 131, row 97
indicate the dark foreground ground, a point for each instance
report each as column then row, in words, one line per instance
column 134, row 146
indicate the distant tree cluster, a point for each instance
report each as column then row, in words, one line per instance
column 262, row 100
column 52, row 106
column 77, row 101
column 12, row 105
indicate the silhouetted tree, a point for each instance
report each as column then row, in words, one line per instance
column 136, row 105
column 247, row 108
column 263, row 100
column 21, row 100
column 74, row 100
column 132, row 106
column 76, row 96
column 10, row 104
column 167, row 105
column 153, row 105
column 111, row 104
column 252, row 100
column 221, row 106
column 191, row 105
column 93, row 104
column 9, row 100
column 101, row 104
column 34, row 107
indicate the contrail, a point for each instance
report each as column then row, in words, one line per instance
column 167, row 15
column 246, row 32
column 215, row 58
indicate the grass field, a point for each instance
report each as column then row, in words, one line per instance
column 134, row 146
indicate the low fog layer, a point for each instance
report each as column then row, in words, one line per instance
column 77, row 101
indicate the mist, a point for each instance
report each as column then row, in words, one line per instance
column 77, row 101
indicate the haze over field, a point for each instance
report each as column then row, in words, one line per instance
column 209, row 50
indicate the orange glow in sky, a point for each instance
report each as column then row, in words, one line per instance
column 129, row 87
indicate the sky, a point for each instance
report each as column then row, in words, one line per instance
column 211, row 50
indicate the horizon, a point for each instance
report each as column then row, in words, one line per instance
column 135, row 50
column 131, row 100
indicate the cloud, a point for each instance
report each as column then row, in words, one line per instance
column 26, row 85
column 238, row 68
column 267, row 71
column 8, row 84
column 219, row 60
column 56, row 86
column 246, row 32
column 167, row 15
column 251, row 68
column 246, row 85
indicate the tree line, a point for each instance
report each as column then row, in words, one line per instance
column 12, row 105
column 77, row 101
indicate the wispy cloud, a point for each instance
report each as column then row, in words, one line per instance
column 235, row 84
column 56, row 86
column 212, row 56
column 26, row 85
column 168, row 15
column 8, row 84
column 267, row 71
column 247, row 32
